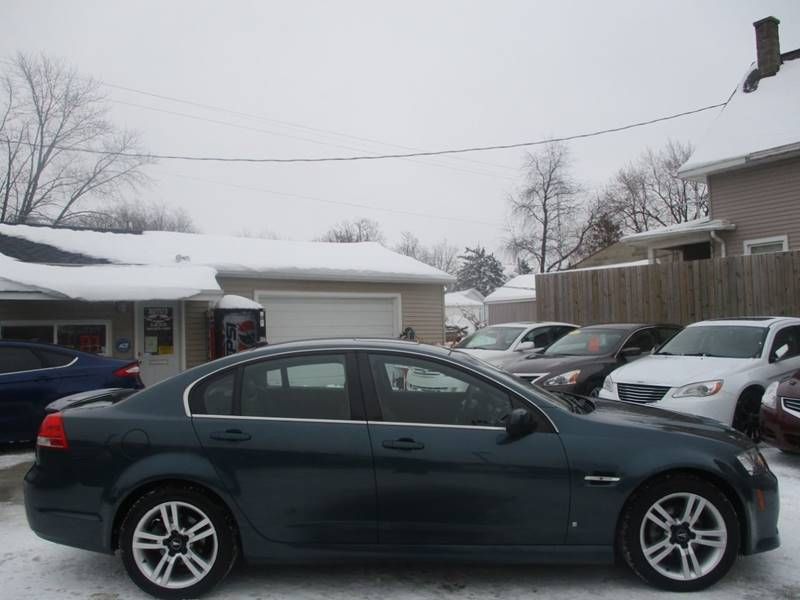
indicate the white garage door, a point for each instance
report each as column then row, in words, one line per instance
column 300, row 317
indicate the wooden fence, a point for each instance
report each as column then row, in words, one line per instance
column 675, row 292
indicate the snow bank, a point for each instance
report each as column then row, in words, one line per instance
column 764, row 119
column 230, row 255
column 520, row 288
column 11, row 460
column 231, row 301
column 111, row 282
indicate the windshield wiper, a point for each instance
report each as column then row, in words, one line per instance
column 583, row 404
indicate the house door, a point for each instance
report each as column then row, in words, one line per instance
column 158, row 340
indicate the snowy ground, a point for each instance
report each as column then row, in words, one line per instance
column 30, row 567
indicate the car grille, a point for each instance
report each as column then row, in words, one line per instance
column 791, row 404
column 631, row 392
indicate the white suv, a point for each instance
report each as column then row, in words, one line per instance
column 716, row 369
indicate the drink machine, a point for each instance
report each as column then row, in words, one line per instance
column 235, row 324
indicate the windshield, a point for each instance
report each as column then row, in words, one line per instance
column 724, row 341
column 587, row 342
column 491, row 338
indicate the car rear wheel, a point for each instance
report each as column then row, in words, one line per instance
column 176, row 542
column 680, row 533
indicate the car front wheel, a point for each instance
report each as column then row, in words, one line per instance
column 680, row 533
column 176, row 542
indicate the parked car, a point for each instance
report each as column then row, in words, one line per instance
column 497, row 343
column 780, row 414
column 34, row 375
column 233, row 458
column 580, row 361
column 716, row 369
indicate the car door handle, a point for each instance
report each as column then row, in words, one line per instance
column 230, row 435
column 403, row 444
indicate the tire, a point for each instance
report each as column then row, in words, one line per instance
column 672, row 545
column 192, row 568
column 746, row 417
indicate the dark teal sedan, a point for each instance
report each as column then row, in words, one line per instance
column 367, row 449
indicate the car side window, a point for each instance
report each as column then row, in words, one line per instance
column 15, row 360
column 214, row 396
column 665, row 334
column 786, row 343
column 644, row 340
column 412, row 390
column 541, row 337
column 304, row 387
column 52, row 358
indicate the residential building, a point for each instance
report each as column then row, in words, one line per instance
column 514, row 301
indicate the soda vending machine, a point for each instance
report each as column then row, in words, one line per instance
column 235, row 324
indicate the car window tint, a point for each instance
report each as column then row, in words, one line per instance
column 13, row 360
column 305, row 387
column 789, row 337
column 214, row 396
column 53, row 358
column 644, row 340
column 412, row 390
column 665, row 334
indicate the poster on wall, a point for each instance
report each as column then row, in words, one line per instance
column 158, row 330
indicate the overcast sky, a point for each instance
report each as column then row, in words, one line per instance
column 317, row 76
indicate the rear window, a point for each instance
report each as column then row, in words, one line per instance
column 724, row 341
column 14, row 360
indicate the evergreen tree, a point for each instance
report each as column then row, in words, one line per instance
column 523, row 268
column 479, row 270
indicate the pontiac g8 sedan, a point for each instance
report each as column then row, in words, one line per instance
column 322, row 450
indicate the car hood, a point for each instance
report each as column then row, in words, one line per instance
column 540, row 363
column 615, row 412
column 676, row 371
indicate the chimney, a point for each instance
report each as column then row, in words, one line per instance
column 768, row 47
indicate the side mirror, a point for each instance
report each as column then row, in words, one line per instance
column 520, row 423
column 631, row 352
column 523, row 346
column 779, row 353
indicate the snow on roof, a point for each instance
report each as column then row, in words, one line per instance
column 232, row 301
column 520, row 288
column 229, row 255
column 460, row 299
column 763, row 122
column 703, row 224
column 110, row 282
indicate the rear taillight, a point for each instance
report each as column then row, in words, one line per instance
column 131, row 370
column 51, row 433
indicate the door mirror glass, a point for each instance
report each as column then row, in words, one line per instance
column 520, row 423
column 781, row 352
column 523, row 346
column 631, row 352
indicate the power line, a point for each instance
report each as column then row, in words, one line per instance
column 444, row 152
column 334, row 202
column 304, row 139
column 328, row 132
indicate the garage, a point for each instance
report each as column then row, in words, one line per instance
column 293, row 316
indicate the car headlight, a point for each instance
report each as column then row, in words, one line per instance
column 770, row 397
column 609, row 385
column 753, row 462
column 699, row 390
column 568, row 378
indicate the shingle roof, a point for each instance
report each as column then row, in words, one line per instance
column 36, row 252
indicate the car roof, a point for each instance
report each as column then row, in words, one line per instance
column 630, row 326
column 39, row 345
column 530, row 324
column 764, row 321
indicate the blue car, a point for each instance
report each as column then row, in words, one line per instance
column 34, row 375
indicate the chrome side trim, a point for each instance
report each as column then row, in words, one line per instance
column 421, row 355
column 64, row 366
column 289, row 419
column 602, row 479
column 437, row 425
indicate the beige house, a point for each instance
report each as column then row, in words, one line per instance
column 512, row 302
column 98, row 291
column 750, row 159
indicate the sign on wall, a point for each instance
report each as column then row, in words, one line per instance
column 158, row 330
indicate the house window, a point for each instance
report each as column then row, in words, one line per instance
column 86, row 336
column 778, row 243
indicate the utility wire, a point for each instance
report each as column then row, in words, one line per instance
column 323, row 159
column 327, row 132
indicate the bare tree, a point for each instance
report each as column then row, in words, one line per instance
column 136, row 217
column 362, row 230
column 549, row 217
column 442, row 255
column 50, row 112
column 649, row 193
